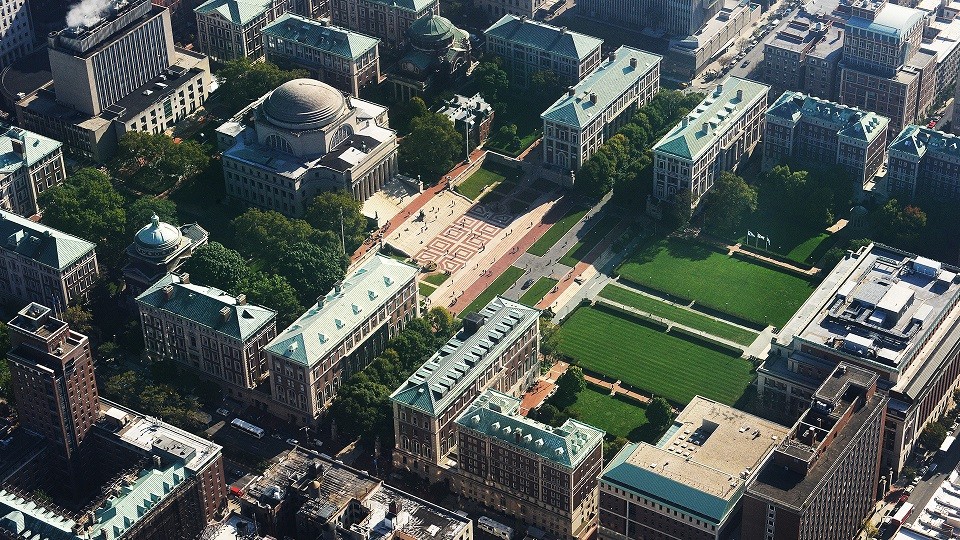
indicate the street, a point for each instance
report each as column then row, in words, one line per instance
column 929, row 484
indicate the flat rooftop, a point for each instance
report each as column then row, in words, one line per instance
column 416, row 520
column 811, row 34
column 892, row 20
column 693, row 466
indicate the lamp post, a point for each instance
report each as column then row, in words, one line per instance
column 467, row 124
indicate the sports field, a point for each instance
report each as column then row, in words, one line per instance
column 556, row 232
column 537, row 291
column 693, row 271
column 616, row 416
column 650, row 359
column 678, row 315
column 499, row 285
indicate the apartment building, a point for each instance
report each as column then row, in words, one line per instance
column 541, row 475
column 16, row 31
column 231, row 29
column 815, row 132
column 495, row 9
column 210, row 332
column 159, row 249
column 338, row 336
column 821, row 481
column 527, row 46
column 880, row 309
column 714, row 137
column 386, row 20
column 29, row 164
column 496, row 348
column 804, row 56
column 690, row 483
column 923, row 161
column 43, row 265
column 626, row 13
column 591, row 112
column 955, row 121
column 344, row 59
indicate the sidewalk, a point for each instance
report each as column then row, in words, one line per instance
column 615, row 388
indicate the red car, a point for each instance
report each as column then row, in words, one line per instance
column 932, row 124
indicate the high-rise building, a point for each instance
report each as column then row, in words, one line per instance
column 689, row 484
column 817, row 133
column 714, row 137
column 344, row 59
column 955, row 121
column 680, row 17
column 804, row 57
column 386, row 20
column 16, row 31
column 231, row 29
column 689, row 55
column 159, row 249
column 924, row 161
column 496, row 348
column 527, row 46
column 880, row 309
column 338, row 336
column 627, row 13
column 822, row 479
column 541, row 475
column 591, row 112
column 29, row 164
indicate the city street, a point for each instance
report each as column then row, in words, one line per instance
column 929, row 484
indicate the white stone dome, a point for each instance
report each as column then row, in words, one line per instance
column 157, row 237
column 303, row 104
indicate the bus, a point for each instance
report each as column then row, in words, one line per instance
column 248, row 428
column 947, row 443
column 494, row 527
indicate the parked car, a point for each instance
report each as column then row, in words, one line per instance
column 526, row 284
column 293, row 442
column 932, row 124
column 223, row 412
column 932, row 468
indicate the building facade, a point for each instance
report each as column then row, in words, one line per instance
column 231, row 29
column 305, row 138
column 714, row 137
column 16, row 31
column 344, row 59
column 680, row 17
column 527, row 46
column 385, row 20
column 591, row 112
column 211, row 333
column 821, row 481
column 437, row 55
column 497, row 348
column 495, row 9
column 923, row 161
column 688, row 56
column 543, row 476
column 43, row 265
column 689, row 485
column 627, row 13
column 159, row 249
column 814, row 133
column 804, row 57
column 29, row 164
column 339, row 335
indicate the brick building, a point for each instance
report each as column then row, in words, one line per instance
column 804, row 56
column 29, row 164
column 385, row 20
column 231, row 29
column 923, row 161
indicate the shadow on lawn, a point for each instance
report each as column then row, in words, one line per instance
column 645, row 433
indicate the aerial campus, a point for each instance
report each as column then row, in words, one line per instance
column 479, row 269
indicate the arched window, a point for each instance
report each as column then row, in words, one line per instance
column 343, row 133
column 279, row 143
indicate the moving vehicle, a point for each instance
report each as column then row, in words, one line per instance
column 494, row 527
column 293, row 442
column 248, row 428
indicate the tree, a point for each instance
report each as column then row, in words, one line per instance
column 932, row 436
column 507, row 132
column 262, row 233
column 659, row 413
column 124, row 388
column 213, row 264
column 242, row 81
column 79, row 318
column 728, row 202
column 900, row 225
column 404, row 112
column 431, row 149
column 275, row 292
column 569, row 385
column 327, row 209
column 312, row 268
column 157, row 159
column 359, row 407
column 549, row 414
column 546, row 84
column 143, row 209
column 492, row 81
column 549, row 337
column 677, row 211
column 442, row 321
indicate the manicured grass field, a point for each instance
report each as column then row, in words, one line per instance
column 678, row 315
column 616, row 416
column 425, row 288
column 437, row 279
column 499, row 285
column 478, row 181
column 537, row 291
column 693, row 271
column 648, row 358
column 556, row 232
column 587, row 242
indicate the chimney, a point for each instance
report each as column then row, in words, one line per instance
column 337, row 287
column 739, row 94
column 593, row 98
column 684, row 122
column 168, row 292
column 185, row 278
column 571, row 91
column 17, row 147
column 321, row 300
column 225, row 313
column 633, row 62
column 612, row 56
column 395, row 507
column 241, row 299
column 706, row 127
column 563, row 29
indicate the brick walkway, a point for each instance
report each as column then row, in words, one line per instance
column 615, row 388
column 544, row 388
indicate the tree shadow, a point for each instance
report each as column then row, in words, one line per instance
column 645, row 433
column 690, row 250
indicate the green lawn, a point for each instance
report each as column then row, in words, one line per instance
column 537, row 291
column 425, row 289
column 437, row 279
column 617, row 416
column 690, row 270
column 648, row 358
column 787, row 239
column 478, row 181
column 678, row 315
column 556, row 232
column 588, row 241
column 499, row 285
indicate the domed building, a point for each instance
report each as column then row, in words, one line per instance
column 303, row 138
column 159, row 249
column 437, row 52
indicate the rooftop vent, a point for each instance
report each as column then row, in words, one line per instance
column 472, row 323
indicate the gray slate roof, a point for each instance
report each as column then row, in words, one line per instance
column 202, row 305
column 239, row 12
column 46, row 245
column 322, row 37
column 543, row 37
column 322, row 328
column 609, row 81
column 848, row 121
column 35, row 148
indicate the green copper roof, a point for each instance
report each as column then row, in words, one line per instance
column 544, row 37
column 239, row 12
column 495, row 414
column 431, row 27
column 323, row 327
column 608, row 82
column 465, row 357
column 319, row 36
column 35, row 148
column 918, row 140
column 203, row 305
column 43, row 244
column 717, row 111
column 847, row 121
column 409, row 5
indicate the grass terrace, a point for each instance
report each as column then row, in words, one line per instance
column 437, row 279
column 486, row 175
column 503, row 282
column 425, row 289
column 618, row 416
column 537, row 291
column 556, row 232
column 590, row 240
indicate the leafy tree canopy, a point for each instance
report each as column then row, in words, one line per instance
column 431, row 149
column 242, row 81
column 327, row 209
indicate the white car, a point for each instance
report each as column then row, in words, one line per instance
column 293, row 442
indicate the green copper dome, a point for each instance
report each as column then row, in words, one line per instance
column 431, row 28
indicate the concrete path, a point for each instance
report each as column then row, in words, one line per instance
column 615, row 388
